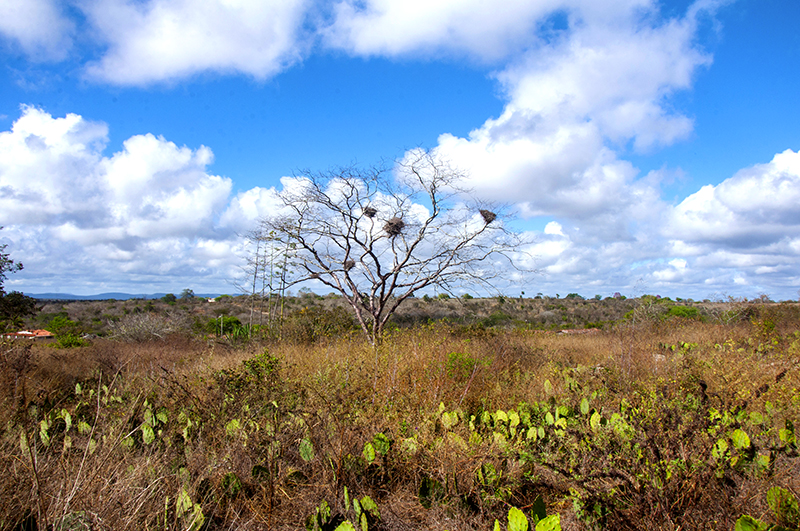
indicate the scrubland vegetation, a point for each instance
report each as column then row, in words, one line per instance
column 469, row 412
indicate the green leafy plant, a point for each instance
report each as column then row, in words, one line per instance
column 358, row 514
column 785, row 508
column 517, row 521
column 190, row 513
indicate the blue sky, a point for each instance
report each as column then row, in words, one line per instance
column 645, row 146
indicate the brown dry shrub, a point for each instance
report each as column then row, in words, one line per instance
column 338, row 393
column 140, row 327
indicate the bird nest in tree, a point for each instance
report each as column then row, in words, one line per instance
column 394, row 226
column 370, row 212
column 488, row 216
column 349, row 264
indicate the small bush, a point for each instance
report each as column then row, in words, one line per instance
column 497, row 318
column 686, row 312
column 70, row 341
column 222, row 325
column 311, row 324
column 139, row 327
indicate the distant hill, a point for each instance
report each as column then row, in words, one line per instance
column 107, row 296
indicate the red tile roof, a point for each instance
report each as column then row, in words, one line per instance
column 29, row 334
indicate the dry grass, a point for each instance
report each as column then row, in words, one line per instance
column 233, row 420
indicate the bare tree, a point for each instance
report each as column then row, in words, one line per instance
column 377, row 236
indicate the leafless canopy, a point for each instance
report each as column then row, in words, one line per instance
column 378, row 236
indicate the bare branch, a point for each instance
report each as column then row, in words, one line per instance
column 378, row 237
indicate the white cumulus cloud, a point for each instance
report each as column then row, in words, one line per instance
column 38, row 27
column 481, row 29
column 163, row 40
column 584, row 83
column 249, row 206
column 756, row 208
column 150, row 209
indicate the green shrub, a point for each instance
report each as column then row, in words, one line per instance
column 497, row 318
column 68, row 332
column 70, row 341
column 686, row 312
column 256, row 373
column 222, row 325
column 61, row 324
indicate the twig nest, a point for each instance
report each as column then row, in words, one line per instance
column 394, row 226
column 370, row 212
column 349, row 264
column 488, row 216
